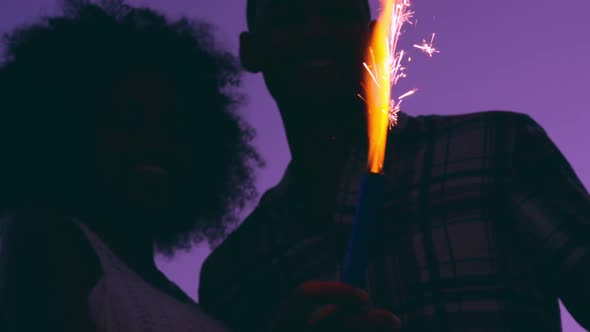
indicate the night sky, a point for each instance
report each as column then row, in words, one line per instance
column 527, row 56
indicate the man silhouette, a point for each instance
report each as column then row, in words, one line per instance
column 485, row 224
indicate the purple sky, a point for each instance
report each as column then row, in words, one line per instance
column 528, row 56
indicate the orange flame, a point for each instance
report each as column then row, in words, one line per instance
column 378, row 92
column 381, row 76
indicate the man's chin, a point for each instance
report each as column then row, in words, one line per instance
column 329, row 94
column 307, row 81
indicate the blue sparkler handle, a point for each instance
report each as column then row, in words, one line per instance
column 364, row 229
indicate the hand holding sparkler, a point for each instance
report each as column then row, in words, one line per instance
column 329, row 306
column 383, row 71
column 344, row 306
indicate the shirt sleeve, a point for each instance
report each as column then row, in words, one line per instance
column 552, row 217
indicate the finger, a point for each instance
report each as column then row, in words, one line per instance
column 334, row 318
column 322, row 314
column 376, row 320
column 331, row 292
column 311, row 295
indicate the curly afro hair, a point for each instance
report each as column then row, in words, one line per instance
column 54, row 84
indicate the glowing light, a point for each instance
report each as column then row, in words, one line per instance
column 427, row 47
column 407, row 94
column 382, row 72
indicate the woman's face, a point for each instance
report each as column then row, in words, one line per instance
column 142, row 152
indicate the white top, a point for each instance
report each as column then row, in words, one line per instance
column 123, row 301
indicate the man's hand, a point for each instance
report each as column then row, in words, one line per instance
column 330, row 306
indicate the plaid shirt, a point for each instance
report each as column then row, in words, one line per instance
column 484, row 224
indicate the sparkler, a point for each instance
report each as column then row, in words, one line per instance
column 382, row 73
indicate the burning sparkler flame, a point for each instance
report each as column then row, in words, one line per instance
column 383, row 73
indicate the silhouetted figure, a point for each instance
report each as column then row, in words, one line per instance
column 119, row 132
column 485, row 225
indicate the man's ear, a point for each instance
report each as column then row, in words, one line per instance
column 249, row 53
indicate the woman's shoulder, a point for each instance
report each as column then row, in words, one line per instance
column 54, row 245
column 47, row 271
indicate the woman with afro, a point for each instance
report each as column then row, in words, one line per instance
column 118, row 135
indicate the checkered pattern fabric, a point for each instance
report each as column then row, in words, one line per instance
column 483, row 219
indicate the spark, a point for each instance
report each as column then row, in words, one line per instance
column 373, row 75
column 427, row 47
column 407, row 94
column 361, row 97
column 392, row 113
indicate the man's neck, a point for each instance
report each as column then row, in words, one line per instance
column 320, row 150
